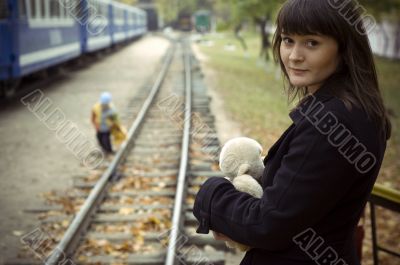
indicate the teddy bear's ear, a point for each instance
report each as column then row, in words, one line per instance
column 243, row 169
column 228, row 162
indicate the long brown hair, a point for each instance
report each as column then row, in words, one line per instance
column 357, row 67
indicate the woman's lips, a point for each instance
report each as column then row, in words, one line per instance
column 297, row 71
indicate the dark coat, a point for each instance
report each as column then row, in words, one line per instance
column 316, row 182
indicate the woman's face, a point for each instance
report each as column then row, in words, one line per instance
column 309, row 59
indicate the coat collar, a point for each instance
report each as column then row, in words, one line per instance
column 323, row 94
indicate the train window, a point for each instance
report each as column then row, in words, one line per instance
column 100, row 10
column 131, row 18
column 47, row 8
column 38, row 8
column 43, row 8
column 82, row 11
column 76, row 10
column 54, row 8
column 97, row 8
column 93, row 9
column 31, row 8
column 22, row 9
column 3, row 9
column 67, row 11
column 105, row 10
column 63, row 12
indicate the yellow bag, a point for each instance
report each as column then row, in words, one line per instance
column 118, row 134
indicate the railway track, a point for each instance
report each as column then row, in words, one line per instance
column 139, row 209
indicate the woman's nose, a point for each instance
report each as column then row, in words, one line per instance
column 296, row 54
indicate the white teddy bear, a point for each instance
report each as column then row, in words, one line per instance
column 240, row 160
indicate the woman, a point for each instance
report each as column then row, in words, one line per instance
column 321, row 171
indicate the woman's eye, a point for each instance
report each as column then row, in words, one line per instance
column 311, row 43
column 286, row 40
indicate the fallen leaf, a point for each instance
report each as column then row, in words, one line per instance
column 17, row 233
column 126, row 211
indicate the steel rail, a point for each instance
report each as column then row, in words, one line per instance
column 72, row 236
column 181, row 182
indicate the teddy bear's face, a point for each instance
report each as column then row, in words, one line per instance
column 240, row 156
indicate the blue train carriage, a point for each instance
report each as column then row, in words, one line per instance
column 136, row 22
column 34, row 35
column 130, row 22
column 95, row 18
column 142, row 22
column 119, row 22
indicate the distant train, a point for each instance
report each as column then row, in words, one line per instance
column 202, row 21
column 38, row 34
column 184, row 21
column 199, row 21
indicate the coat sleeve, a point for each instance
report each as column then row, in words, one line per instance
column 312, row 178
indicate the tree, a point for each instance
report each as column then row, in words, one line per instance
column 128, row 2
column 385, row 9
column 380, row 8
column 259, row 11
column 170, row 9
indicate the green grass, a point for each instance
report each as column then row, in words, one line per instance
column 389, row 79
column 253, row 94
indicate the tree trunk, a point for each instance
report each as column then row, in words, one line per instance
column 385, row 41
column 237, row 30
column 397, row 42
column 265, row 43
